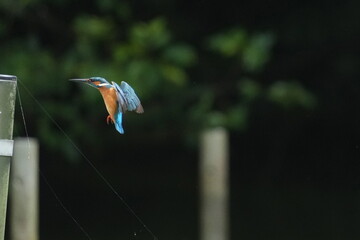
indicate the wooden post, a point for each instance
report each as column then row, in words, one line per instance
column 214, row 185
column 7, row 107
column 24, row 190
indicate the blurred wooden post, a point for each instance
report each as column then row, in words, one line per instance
column 214, row 222
column 7, row 107
column 24, row 190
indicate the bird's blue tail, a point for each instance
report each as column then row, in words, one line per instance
column 118, row 122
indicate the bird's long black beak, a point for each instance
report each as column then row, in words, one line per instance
column 79, row 79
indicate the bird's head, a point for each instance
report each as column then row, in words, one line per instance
column 96, row 82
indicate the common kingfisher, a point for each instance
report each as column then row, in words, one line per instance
column 117, row 99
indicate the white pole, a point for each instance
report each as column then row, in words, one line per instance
column 214, row 185
column 24, row 190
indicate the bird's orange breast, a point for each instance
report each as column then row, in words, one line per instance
column 110, row 100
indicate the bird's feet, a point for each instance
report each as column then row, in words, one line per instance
column 108, row 119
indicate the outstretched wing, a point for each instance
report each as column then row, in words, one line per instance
column 120, row 97
column 128, row 100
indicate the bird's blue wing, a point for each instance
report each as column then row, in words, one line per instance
column 120, row 97
column 128, row 98
column 132, row 100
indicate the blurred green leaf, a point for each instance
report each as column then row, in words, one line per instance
column 249, row 89
column 151, row 35
column 230, row 43
column 142, row 70
column 174, row 74
column 121, row 8
column 90, row 28
column 237, row 117
column 16, row 7
column 257, row 52
column 122, row 52
column 197, row 111
column 180, row 54
column 291, row 94
column 215, row 119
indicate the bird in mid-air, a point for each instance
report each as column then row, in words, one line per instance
column 118, row 99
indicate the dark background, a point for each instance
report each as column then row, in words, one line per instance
column 281, row 76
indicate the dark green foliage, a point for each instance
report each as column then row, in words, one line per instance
column 281, row 76
column 49, row 50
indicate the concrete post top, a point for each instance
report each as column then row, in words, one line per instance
column 4, row 77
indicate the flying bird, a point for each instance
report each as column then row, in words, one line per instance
column 117, row 99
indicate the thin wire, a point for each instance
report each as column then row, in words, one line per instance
column 43, row 176
column 63, row 206
column 92, row 165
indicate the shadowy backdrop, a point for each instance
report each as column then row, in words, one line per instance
column 282, row 77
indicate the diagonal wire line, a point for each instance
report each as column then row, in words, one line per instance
column 127, row 206
column 43, row 176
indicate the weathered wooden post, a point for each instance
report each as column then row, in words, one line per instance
column 7, row 107
column 214, row 222
column 24, row 190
